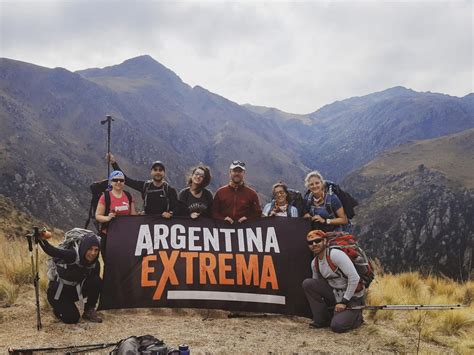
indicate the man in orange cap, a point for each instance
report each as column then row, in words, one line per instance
column 334, row 287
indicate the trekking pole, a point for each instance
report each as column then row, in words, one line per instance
column 36, row 279
column 108, row 120
column 53, row 349
column 412, row 307
column 34, row 272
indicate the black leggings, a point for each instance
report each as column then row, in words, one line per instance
column 64, row 308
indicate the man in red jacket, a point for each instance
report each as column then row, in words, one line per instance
column 236, row 202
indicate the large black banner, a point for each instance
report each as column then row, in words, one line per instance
column 255, row 266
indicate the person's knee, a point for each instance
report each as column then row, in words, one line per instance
column 68, row 317
column 71, row 319
column 308, row 283
column 344, row 325
column 66, row 312
column 339, row 328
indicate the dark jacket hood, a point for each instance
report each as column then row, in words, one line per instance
column 88, row 242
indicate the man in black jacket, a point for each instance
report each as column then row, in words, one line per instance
column 158, row 197
column 76, row 277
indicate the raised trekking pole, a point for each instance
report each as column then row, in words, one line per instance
column 34, row 271
column 108, row 120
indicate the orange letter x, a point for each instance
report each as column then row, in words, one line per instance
column 168, row 272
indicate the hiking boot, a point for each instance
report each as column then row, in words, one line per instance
column 318, row 326
column 92, row 316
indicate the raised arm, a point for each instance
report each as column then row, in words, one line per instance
column 69, row 256
column 134, row 184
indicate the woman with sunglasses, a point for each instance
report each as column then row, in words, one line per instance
column 280, row 205
column 195, row 197
column 116, row 202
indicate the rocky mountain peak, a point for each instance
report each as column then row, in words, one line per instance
column 141, row 67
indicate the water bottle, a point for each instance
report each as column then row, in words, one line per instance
column 184, row 349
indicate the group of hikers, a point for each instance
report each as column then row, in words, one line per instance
column 334, row 288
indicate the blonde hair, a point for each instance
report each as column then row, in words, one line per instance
column 314, row 173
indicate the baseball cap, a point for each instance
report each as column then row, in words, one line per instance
column 158, row 163
column 237, row 164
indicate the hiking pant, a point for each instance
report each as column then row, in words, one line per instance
column 64, row 308
column 322, row 301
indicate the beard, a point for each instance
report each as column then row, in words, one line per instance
column 158, row 178
column 236, row 180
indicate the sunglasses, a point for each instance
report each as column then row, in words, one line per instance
column 314, row 241
column 118, row 180
column 238, row 162
column 199, row 174
column 158, row 169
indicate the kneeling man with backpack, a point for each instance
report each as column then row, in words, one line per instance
column 73, row 273
column 335, row 287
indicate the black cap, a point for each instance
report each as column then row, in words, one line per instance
column 158, row 163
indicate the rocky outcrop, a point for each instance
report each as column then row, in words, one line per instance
column 416, row 220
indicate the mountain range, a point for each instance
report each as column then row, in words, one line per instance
column 52, row 144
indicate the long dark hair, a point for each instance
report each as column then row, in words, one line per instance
column 207, row 176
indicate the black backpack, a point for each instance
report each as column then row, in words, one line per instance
column 296, row 199
column 97, row 189
column 145, row 344
column 348, row 202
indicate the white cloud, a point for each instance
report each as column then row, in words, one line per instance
column 294, row 55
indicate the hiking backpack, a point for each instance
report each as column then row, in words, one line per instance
column 348, row 244
column 295, row 199
column 145, row 344
column 348, row 202
column 57, row 268
column 97, row 188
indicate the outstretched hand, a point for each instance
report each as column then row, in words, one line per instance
column 110, row 158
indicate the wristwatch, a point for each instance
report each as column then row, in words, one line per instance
column 344, row 301
column 328, row 221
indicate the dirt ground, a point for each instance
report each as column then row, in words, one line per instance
column 206, row 332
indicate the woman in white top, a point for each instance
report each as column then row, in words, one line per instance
column 280, row 205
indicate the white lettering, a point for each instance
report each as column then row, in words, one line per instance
column 160, row 233
column 178, row 236
column 228, row 238
column 255, row 239
column 178, row 241
column 271, row 241
column 144, row 241
column 240, row 236
column 212, row 238
column 193, row 238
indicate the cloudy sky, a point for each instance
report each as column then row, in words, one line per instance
column 293, row 55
